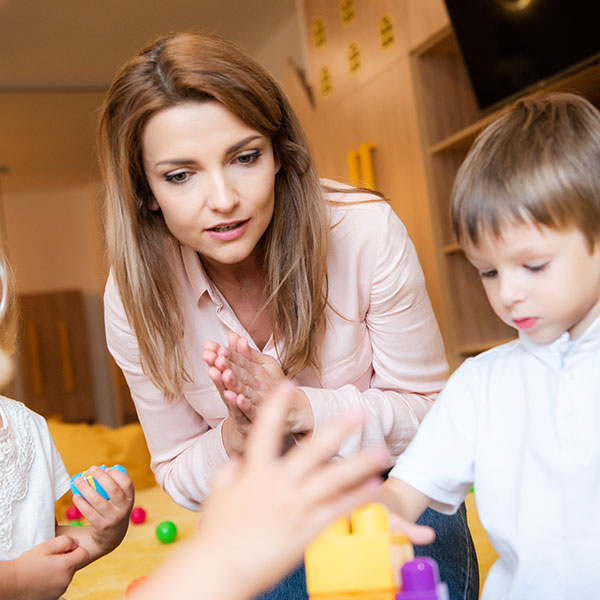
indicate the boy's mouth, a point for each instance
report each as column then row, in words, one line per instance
column 527, row 323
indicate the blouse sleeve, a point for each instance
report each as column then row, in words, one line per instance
column 185, row 451
column 408, row 361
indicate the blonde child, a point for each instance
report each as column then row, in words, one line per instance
column 38, row 557
column 521, row 422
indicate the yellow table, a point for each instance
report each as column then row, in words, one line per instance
column 139, row 553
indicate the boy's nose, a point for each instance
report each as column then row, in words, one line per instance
column 510, row 291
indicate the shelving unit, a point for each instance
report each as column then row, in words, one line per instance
column 449, row 121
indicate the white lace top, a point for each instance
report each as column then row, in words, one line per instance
column 32, row 478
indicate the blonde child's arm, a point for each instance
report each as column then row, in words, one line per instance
column 406, row 505
column 44, row 572
column 264, row 508
column 108, row 518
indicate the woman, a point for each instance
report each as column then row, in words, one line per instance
column 217, row 224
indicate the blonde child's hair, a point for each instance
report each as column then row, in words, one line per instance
column 8, row 307
column 540, row 163
column 8, row 319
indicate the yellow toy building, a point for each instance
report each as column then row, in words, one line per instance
column 357, row 558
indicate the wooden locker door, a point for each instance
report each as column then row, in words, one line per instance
column 53, row 362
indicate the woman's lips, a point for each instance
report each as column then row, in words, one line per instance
column 527, row 323
column 227, row 232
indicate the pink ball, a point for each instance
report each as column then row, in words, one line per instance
column 72, row 513
column 138, row 515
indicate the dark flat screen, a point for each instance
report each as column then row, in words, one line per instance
column 509, row 45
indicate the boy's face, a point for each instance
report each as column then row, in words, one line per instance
column 541, row 281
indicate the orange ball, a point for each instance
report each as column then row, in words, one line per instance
column 135, row 584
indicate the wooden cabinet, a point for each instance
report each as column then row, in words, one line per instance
column 53, row 364
column 449, row 122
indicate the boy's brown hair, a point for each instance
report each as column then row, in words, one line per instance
column 539, row 162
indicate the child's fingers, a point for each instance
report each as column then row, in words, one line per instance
column 343, row 476
column 265, row 438
column 76, row 558
column 325, row 444
column 60, row 544
column 330, row 509
column 421, row 535
column 117, row 485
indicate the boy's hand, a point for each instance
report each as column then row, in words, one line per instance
column 406, row 504
column 108, row 519
column 45, row 571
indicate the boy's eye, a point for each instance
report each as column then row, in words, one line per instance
column 248, row 158
column 179, row 177
column 488, row 274
column 536, row 268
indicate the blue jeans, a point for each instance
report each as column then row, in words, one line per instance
column 453, row 550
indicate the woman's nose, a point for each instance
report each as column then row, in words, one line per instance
column 221, row 197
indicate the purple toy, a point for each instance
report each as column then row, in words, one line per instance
column 421, row 581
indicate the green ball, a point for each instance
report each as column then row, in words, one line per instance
column 166, row 532
column 76, row 523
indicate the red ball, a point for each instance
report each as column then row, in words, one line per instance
column 73, row 513
column 135, row 584
column 138, row 515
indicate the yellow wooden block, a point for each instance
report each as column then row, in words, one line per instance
column 356, row 555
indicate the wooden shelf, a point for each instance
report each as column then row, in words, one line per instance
column 451, row 249
column 461, row 140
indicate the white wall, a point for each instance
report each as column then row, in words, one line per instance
column 55, row 243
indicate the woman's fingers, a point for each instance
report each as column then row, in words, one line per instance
column 265, row 438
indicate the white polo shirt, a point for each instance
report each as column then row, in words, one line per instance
column 522, row 423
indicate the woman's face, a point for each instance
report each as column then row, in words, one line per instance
column 213, row 178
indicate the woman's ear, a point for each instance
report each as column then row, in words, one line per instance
column 153, row 204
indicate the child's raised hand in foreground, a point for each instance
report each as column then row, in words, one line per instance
column 264, row 508
column 108, row 518
column 44, row 572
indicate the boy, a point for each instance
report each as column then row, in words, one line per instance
column 521, row 422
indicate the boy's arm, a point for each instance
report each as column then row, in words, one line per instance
column 407, row 504
column 108, row 518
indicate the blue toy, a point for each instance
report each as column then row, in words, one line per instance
column 85, row 475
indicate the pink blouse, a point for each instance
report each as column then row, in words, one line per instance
column 382, row 351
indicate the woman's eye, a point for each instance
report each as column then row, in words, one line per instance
column 248, row 158
column 488, row 274
column 179, row 177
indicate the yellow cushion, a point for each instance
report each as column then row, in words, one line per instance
column 81, row 446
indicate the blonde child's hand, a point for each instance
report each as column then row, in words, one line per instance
column 45, row 571
column 108, row 519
